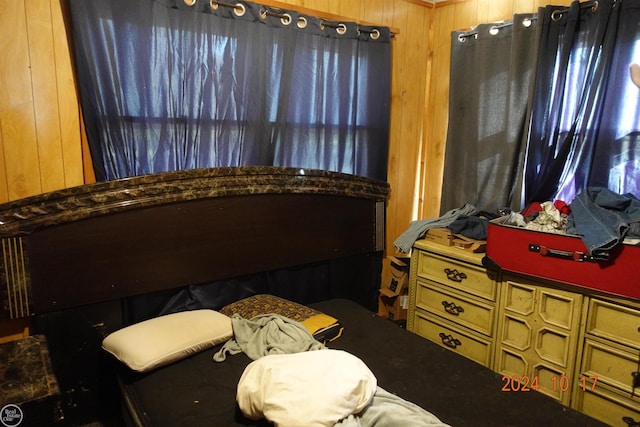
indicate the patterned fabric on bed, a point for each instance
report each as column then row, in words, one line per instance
column 323, row 327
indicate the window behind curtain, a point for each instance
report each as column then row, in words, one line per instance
column 585, row 112
column 582, row 125
column 166, row 86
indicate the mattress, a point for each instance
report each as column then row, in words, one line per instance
column 200, row 392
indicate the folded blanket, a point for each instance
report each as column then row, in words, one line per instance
column 266, row 334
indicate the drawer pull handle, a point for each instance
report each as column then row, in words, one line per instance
column 636, row 379
column 631, row 422
column 454, row 275
column 452, row 308
column 449, row 340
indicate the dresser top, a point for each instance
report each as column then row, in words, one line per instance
column 450, row 251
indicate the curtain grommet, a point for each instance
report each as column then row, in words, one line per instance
column 594, row 8
column 190, row 2
column 494, row 30
column 462, row 38
column 341, row 29
column 527, row 22
column 302, row 22
column 286, row 19
column 556, row 15
column 213, row 4
column 239, row 9
column 374, row 34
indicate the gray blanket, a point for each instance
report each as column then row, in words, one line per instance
column 388, row 410
column 266, row 334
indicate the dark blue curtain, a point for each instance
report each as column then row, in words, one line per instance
column 172, row 84
column 543, row 111
column 585, row 117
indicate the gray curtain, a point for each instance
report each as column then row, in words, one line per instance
column 491, row 72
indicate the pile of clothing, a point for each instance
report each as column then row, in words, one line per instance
column 601, row 217
column 466, row 221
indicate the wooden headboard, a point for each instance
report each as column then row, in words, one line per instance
column 138, row 235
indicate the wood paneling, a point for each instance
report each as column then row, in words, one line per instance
column 39, row 125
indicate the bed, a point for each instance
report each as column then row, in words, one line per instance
column 124, row 239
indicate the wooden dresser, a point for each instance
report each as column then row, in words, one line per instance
column 452, row 300
column 610, row 357
column 537, row 338
column 580, row 348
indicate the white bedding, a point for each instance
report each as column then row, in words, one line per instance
column 308, row 389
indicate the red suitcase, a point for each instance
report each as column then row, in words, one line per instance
column 563, row 258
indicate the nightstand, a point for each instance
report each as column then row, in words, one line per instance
column 29, row 392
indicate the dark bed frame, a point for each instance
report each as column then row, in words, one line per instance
column 116, row 239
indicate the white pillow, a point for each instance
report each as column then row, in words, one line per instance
column 308, row 389
column 166, row 339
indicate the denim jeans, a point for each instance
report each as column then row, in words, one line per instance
column 417, row 229
column 603, row 219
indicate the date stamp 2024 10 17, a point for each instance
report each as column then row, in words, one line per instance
column 525, row 383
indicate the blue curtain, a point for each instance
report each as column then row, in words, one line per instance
column 182, row 84
column 585, row 116
column 543, row 111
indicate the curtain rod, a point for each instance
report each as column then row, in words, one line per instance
column 556, row 15
column 527, row 22
column 302, row 22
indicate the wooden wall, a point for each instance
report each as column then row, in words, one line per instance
column 40, row 134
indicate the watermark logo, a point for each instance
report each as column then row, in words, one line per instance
column 11, row 415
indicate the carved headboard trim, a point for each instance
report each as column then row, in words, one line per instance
column 126, row 237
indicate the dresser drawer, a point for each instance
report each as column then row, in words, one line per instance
column 465, row 277
column 457, row 308
column 453, row 337
column 605, row 406
column 609, row 365
column 615, row 322
column 547, row 378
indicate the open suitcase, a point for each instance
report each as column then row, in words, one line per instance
column 563, row 258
